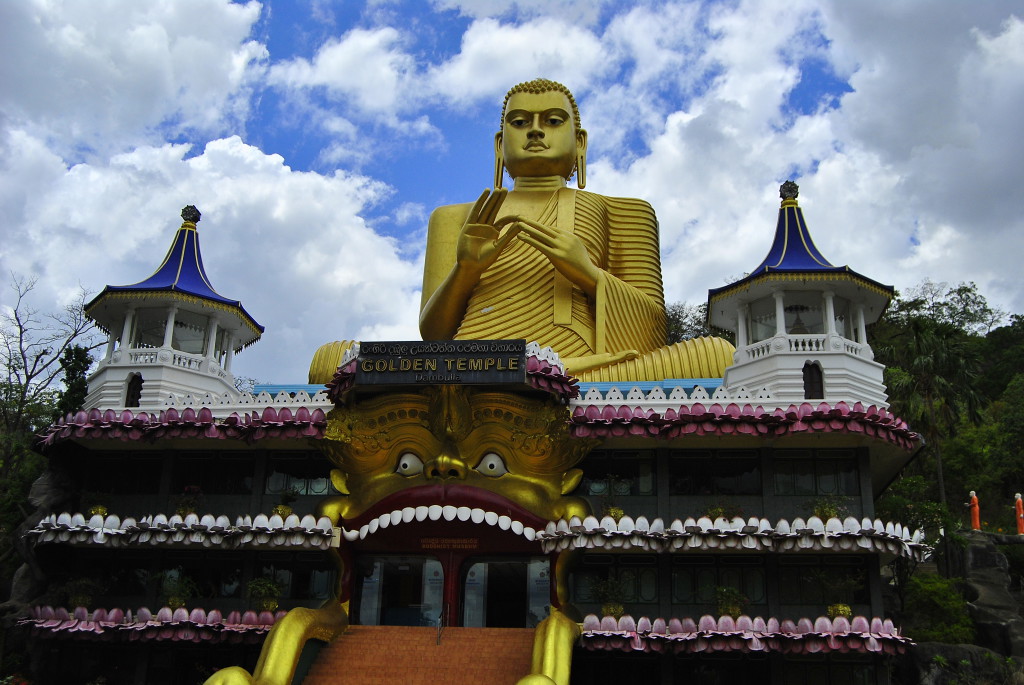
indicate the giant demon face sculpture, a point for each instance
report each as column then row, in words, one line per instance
column 409, row 456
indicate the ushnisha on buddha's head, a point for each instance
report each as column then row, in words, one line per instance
column 540, row 134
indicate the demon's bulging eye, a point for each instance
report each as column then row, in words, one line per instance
column 409, row 465
column 492, row 465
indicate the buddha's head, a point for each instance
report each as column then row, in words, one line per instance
column 495, row 452
column 540, row 133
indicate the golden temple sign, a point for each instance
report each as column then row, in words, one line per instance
column 467, row 362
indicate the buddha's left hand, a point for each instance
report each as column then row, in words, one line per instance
column 564, row 250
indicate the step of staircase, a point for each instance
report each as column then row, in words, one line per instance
column 372, row 655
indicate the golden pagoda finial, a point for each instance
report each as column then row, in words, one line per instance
column 789, row 191
column 190, row 215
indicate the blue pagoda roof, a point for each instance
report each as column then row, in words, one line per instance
column 793, row 253
column 182, row 275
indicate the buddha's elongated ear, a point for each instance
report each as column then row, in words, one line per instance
column 499, row 162
column 581, row 158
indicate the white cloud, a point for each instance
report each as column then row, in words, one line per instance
column 290, row 245
column 584, row 12
column 103, row 75
column 495, row 56
column 367, row 68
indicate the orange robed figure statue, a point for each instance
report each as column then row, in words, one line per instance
column 1018, row 509
column 972, row 504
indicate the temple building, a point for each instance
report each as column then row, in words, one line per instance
column 467, row 511
column 542, row 491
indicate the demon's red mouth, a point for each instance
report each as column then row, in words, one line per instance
column 445, row 502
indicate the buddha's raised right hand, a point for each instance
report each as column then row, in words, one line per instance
column 480, row 241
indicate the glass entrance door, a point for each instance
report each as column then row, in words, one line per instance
column 399, row 591
column 505, row 593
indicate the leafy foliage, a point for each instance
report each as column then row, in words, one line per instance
column 33, row 348
column 74, row 365
column 930, row 344
column 935, row 611
column 686, row 321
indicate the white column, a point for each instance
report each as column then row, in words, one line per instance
column 780, row 313
column 830, row 313
column 169, row 331
column 741, row 325
column 111, row 340
column 231, row 352
column 211, row 346
column 862, row 332
column 126, row 332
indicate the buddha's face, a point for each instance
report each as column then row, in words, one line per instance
column 539, row 137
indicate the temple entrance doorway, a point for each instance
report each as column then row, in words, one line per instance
column 505, row 593
column 457, row 589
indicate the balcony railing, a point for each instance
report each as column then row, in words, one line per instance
column 802, row 344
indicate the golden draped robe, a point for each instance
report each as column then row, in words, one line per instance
column 522, row 296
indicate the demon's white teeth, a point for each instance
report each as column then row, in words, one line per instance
column 436, row 512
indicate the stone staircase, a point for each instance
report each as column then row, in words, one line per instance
column 372, row 655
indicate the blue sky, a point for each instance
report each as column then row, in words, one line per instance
column 317, row 136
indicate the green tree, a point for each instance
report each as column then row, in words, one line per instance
column 74, row 365
column 686, row 321
column 31, row 348
column 931, row 349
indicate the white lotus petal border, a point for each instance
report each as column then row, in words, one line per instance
column 849, row 535
column 260, row 531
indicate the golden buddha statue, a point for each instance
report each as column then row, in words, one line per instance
column 576, row 271
column 573, row 270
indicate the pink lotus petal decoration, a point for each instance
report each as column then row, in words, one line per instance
column 744, row 634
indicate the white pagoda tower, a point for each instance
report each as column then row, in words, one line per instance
column 801, row 322
column 169, row 335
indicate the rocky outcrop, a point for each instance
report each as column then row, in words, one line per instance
column 994, row 610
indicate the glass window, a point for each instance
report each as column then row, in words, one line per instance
column 139, row 474
column 305, row 473
column 843, row 312
column 611, row 474
column 215, row 473
column 300, row 576
column 190, row 332
column 631, row 578
column 804, row 313
column 695, row 581
column 827, row 472
column 823, row 580
column 762, row 319
column 719, row 472
column 148, row 327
